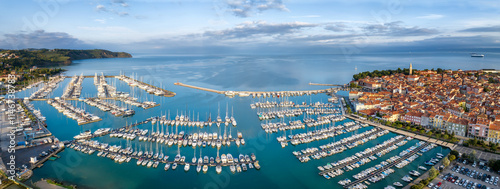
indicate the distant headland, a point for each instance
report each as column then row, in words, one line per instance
column 53, row 57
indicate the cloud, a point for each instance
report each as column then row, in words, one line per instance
column 120, row 3
column 244, row 8
column 117, row 7
column 307, row 16
column 396, row 29
column 336, row 27
column 102, row 21
column 431, row 16
column 483, row 29
column 249, row 29
column 101, row 8
column 41, row 39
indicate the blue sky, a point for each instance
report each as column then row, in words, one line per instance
column 217, row 26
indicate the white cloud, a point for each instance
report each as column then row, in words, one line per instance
column 102, row 21
column 100, row 8
column 431, row 16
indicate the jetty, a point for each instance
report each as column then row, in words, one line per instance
column 259, row 93
column 145, row 86
column 355, row 160
column 88, row 148
column 327, row 148
column 320, row 84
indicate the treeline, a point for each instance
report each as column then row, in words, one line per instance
column 377, row 73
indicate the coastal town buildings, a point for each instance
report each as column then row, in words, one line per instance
column 464, row 103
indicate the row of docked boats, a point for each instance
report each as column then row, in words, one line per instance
column 296, row 112
column 103, row 89
column 36, row 112
column 148, row 88
column 181, row 139
column 333, row 147
column 386, row 164
column 135, row 102
column 319, row 134
column 47, row 88
column 74, row 87
column 106, row 106
column 290, row 104
column 276, row 94
column 281, row 126
column 322, row 120
column 148, row 159
column 361, row 158
column 188, row 121
column 78, row 114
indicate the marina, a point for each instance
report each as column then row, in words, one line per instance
column 322, row 134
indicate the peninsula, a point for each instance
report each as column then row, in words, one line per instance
column 32, row 65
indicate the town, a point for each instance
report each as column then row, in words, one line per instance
column 461, row 103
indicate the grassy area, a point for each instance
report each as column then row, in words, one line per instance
column 59, row 184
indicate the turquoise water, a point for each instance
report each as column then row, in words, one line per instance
column 280, row 169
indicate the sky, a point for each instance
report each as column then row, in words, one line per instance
column 251, row 26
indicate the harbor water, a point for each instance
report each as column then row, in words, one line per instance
column 280, row 168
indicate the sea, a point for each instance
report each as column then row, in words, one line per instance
column 279, row 167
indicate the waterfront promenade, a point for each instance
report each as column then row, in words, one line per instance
column 417, row 136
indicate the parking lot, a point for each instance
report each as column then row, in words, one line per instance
column 479, row 154
column 468, row 176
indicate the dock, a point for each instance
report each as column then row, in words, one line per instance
column 338, row 145
column 384, row 168
column 152, row 89
column 88, row 147
column 333, row 85
column 364, row 156
column 200, row 88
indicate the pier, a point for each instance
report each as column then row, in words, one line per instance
column 200, row 88
column 146, row 87
column 259, row 93
column 384, row 168
column 320, row 84
column 339, row 144
column 353, row 161
column 86, row 147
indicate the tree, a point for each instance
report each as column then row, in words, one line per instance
column 413, row 129
column 493, row 146
column 433, row 173
column 472, row 155
column 446, row 162
column 399, row 125
column 446, row 137
column 422, row 131
column 452, row 157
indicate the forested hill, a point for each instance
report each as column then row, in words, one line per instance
column 53, row 57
